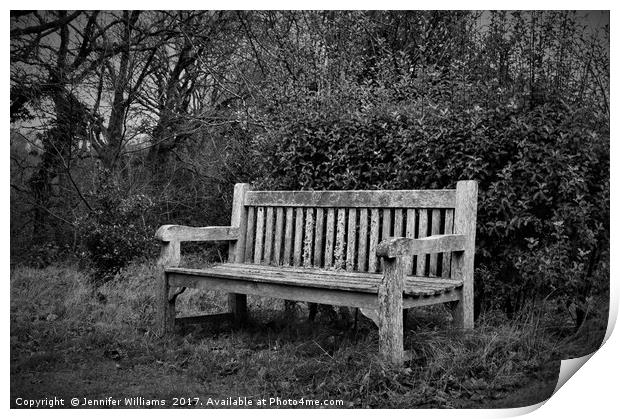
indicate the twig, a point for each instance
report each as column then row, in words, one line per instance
column 321, row 348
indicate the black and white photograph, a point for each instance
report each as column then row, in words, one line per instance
column 306, row 209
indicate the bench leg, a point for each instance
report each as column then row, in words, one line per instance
column 390, row 311
column 238, row 306
column 463, row 262
column 463, row 312
column 168, row 310
column 170, row 255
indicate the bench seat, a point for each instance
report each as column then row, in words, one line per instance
column 363, row 282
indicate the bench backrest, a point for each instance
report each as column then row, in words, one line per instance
column 341, row 229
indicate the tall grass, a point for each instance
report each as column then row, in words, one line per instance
column 58, row 318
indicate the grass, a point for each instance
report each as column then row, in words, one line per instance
column 71, row 339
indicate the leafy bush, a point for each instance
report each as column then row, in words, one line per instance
column 119, row 229
column 543, row 173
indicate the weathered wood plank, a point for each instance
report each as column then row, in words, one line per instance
column 463, row 263
column 423, row 287
column 435, row 230
column 243, row 269
column 329, row 237
column 308, row 237
column 288, row 237
column 339, row 250
column 238, row 219
column 285, row 277
column 422, row 232
column 439, row 198
column 410, row 233
column 385, row 228
column 351, row 238
column 412, row 288
column 260, row 234
column 446, row 260
column 362, row 253
column 318, row 238
column 374, row 240
column 169, row 256
column 400, row 246
column 390, row 311
column 386, row 224
column 398, row 223
column 167, row 310
column 299, row 232
column 356, row 276
column 249, row 237
column 194, row 234
column 277, row 245
column 411, row 302
column 268, row 235
column 288, row 292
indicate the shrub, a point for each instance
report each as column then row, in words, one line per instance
column 119, row 229
column 543, row 173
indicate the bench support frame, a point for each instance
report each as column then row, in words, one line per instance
column 170, row 255
column 238, row 303
column 390, row 310
column 463, row 262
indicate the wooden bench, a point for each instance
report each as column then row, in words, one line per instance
column 380, row 251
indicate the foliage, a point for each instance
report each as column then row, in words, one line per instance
column 543, row 174
column 317, row 100
column 119, row 229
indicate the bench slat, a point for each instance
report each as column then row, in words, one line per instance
column 345, row 276
column 447, row 257
column 288, row 237
column 438, row 198
column 422, row 232
column 362, row 241
column 260, row 232
column 249, row 238
column 435, row 229
column 318, row 237
column 351, row 239
column 329, row 237
column 311, row 278
column 398, row 223
column 410, row 232
column 374, row 240
column 339, row 254
column 386, row 224
column 281, row 276
column 268, row 235
column 308, row 237
column 299, row 231
column 277, row 247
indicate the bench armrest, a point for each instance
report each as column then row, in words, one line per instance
column 403, row 246
column 178, row 233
